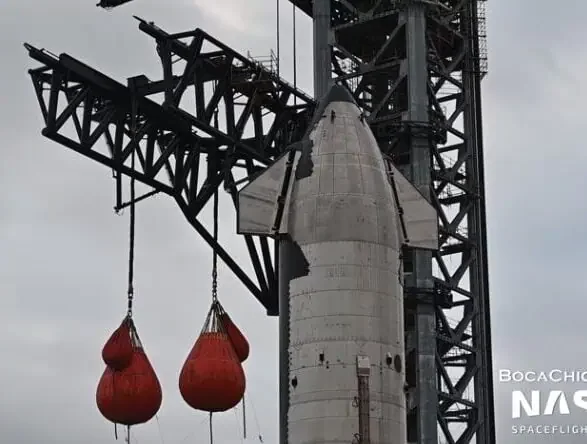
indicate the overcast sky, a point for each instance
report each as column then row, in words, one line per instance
column 64, row 253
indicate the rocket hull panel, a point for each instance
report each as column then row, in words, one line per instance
column 313, row 428
column 350, row 303
column 338, row 312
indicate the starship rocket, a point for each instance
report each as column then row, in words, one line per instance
column 341, row 215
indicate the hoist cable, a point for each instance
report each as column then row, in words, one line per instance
column 244, row 418
column 214, row 253
column 159, row 428
column 211, row 434
column 131, row 250
column 215, row 236
column 278, row 45
column 214, row 265
column 295, row 58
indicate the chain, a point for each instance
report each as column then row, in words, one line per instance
column 214, row 254
column 215, row 232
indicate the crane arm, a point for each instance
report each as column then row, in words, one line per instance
column 81, row 105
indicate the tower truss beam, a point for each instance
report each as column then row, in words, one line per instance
column 242, row 119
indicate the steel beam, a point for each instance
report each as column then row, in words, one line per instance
column 243, row 118
column 377, row 53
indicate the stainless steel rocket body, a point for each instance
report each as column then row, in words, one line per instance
column 350, row 304
column 341, row 277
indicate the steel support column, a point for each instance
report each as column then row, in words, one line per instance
column 322, row 49
column 421, row 277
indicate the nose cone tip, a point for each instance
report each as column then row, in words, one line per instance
column 337, row 93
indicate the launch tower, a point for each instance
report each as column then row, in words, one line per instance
column 415, row 69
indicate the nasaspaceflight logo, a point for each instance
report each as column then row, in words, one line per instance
column 546, row 404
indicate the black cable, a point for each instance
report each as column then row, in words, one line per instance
column 278, row 45
column 215, row 234
column 211, row 435
column 244, row 418
column 295, row 46
column 131, row 250
column 214, row 253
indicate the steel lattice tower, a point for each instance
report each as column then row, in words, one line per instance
column 415, row 67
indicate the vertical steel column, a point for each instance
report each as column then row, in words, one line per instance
column 421, row 279
column 476, row 220
column 322, row 51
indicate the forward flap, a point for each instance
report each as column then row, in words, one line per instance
column 420, row 219
column 263, row 203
